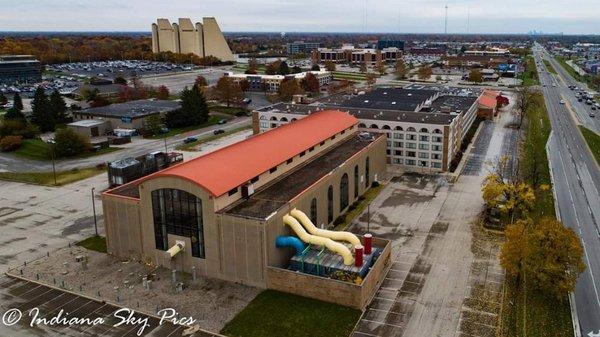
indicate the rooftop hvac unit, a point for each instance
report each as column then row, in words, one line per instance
column 247, row 190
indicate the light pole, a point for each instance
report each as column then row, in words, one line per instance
column 94, row 210
column 53, row 163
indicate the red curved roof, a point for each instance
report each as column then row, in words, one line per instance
column 225, row 169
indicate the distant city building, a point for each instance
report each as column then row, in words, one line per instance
column 20, row 68
column 258, row 82
column 351, row 54
column 489, row 52
column 202, row 39
column 382, row 44
column 302, row 47
column 427, row 51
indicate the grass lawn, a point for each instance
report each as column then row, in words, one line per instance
column 47, row 178
column 37, row 149
column 527, row 312
column 357, row 208
column 593, row 141
column 229, row 110
column 530, row 75
column 96, row 243
column 212, row 120
column 274, row 313
column 190, row 146
column 549, row 66
column 568, row 68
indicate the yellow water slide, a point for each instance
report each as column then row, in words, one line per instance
column 333, row 246
column 333, row 235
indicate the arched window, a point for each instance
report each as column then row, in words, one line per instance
column 355, row 181
column 424, row 130
column 411, row 129
column 362, row 125
column 374, row 126
column 293, row 120
column 263, row 117
column 283, row 119
column 344, row 197
column 398, row 128
column 178, row 212
column 313, row 211
column 330, row 204
column 273, row 118
column 367, row 173
column 437, row 131
column 386, row 127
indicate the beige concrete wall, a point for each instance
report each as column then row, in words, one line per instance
column 166, row 36
column 214, row 41
column 329, row 290
column 155, row 38
column 123, row 227
column 200, row 39
column 187, row 37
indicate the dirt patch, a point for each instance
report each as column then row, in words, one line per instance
column 80, row 225
column 405, row 197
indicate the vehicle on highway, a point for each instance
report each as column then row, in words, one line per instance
column 592, row 114
column 218, row 131
column 190, row 140
column 222, row 121
column 580, row 99
column 594, row 107
column 554, row 84
column 562, row 101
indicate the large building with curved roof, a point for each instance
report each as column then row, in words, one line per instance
column 226, row 208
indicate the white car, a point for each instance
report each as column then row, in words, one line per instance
column 562, row 102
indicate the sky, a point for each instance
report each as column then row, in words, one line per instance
column 393, row 16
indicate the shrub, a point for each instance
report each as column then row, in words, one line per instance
column 18, row 128
column 10, row 143
column 69, row 143
column 375, row 184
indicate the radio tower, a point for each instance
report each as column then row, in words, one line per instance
column 446, row 21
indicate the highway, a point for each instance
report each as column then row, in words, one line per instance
column 576, row 178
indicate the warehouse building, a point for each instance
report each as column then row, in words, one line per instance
column 128, row 115
column 222, row 213
column 425, row 127
column 19, row 69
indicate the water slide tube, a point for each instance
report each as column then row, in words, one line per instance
column 333, row 246
column 333, row 235
column 290, row 241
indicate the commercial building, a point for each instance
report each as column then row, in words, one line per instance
column 425, row 127
column 90, row 128
column 383, row 44
column 202, row 39
column 351, row 54
column 20, row 68
column 298, row 47
column 232, row 214
column 128, row 115
column 271, row 83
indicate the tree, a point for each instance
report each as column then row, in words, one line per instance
column 511, row 199
column 363, row 67
column 425, row 72
column 401, row 69
column 310, row 83
column 57, row 107
column 154, row 124
column 253, row 65
column 272, row 68
column 315, row 67
column 17, row 102
column 522, row 101
column 283, row 68
column 120, row 80
column 193, row 111
column 475, row 76
column 513, row 250
column 68, row 143
column 296, row 70
column 41, row 115
column 553, row 258
column 14, row 114
column 3, row 99
column 162, row 92
column 371, row 79
column 329, row 66
column 200, row 81
column 10, row 143
column 380, row 67
column 228, row 91
column 288, row 88
column 244, row 85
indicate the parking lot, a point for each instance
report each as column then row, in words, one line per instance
column 22, row 295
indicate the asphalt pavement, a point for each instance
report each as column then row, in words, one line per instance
column 576, row 178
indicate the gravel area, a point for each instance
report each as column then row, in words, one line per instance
column 211, row 302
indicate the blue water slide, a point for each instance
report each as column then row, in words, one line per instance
column 290, row 241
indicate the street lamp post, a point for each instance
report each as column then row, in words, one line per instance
column 53, row 164
column 94, row 210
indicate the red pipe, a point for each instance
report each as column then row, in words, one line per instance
column 358, row 255
column 368, row 242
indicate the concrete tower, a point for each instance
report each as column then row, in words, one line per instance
column 214, row 41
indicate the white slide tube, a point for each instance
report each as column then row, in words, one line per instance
column 333, row 235
column 333, row 246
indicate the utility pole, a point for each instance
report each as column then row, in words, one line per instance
column 53, row 163
column 166, row 151
column 446, row 21
column 94, row 210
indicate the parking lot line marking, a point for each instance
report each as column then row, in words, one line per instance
column 93, row 311
column 382, row 323
column 396, row 299
column 365, row 333
column 172, row 332
column 61, row 306
column 391, row 312
column 45, row 292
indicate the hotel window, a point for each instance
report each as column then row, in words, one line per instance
column 436, row 156
column 424, row 138
column 411, row 137
column 398, row 136
column 367, row 182
column 264, row 125
column 399, row 144
column 330, row 204
column 423, row 163
column 313, row 211
column 355, row 181
column 423, row 146
column 411, row 162
column 437, row 139
column 411, row 154
column 398, row 153
column 424, row 155
column 411, row 145
column 399, row 161
column 178, row 212
column 436, row 164
column 344, row 192
column 436, row 148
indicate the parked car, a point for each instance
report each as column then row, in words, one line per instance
column 218, row 131
column 562, row 102
column 190, row 140
column 222, row 121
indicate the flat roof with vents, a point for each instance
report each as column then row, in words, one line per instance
column 133, row 109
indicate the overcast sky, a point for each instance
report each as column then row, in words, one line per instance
column 409, row 16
